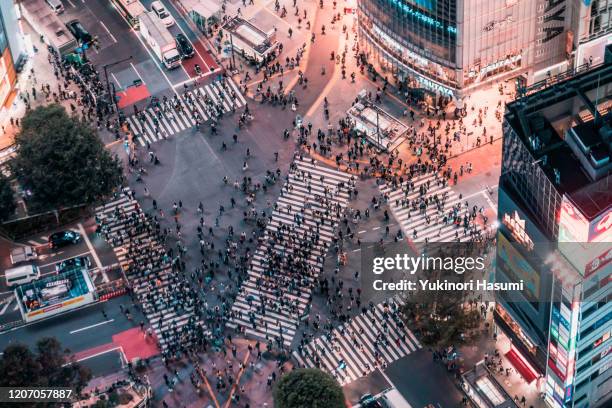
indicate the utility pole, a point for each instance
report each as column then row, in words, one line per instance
column 377, row 128
column 233, row 61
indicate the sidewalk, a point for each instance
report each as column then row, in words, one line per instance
column 36, row 71
column 512, row 382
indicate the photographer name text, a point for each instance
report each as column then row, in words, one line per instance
column 444, row 285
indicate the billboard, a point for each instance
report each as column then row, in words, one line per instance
column 573, row 226
column 516, row 268
column 600, row 229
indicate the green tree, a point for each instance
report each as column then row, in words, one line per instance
column 61, row 160
column 441, row 318
column 21, row 367
column 7, row 201
column 308, row 388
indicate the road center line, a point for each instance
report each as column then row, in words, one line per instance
column 92, row 326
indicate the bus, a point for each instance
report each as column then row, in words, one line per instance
column 130, row 10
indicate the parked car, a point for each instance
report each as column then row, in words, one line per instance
column 79, row 32
column 369, row 401
column 23, row 254
column 184, row 46
column 158, row 8
column 56, row 6
column 21, row 275
column 64, row 238
column 76, row 262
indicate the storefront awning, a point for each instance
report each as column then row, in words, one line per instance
column 521, row 365
column 204, row 8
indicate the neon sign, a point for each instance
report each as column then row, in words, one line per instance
column 423, row 17
column 517, row 228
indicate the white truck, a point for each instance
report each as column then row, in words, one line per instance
column 23, row 254
column 159, row 39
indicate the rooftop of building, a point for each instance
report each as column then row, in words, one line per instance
column 567, row 128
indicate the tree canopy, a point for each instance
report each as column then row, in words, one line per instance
column 308, row 388
column 440, row 318
column 43, row 367
column 7, row 201
column 61, row 160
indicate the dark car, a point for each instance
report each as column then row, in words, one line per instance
column 63, row 238
column 73, row 263
column 79, row 32
column 368, row 401
column 184, row 46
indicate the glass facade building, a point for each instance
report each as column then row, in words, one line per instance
column 454, row 46
column 555, row 234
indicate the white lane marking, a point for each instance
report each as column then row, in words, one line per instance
column 6, row 306
column 91, row 326
column 138, row 73
column 97, row 354
column 108, row 31
column 153, row 58
column 58, row 261
column 71, row 3
column 94, row 254
column 116, row 80
column 89, row 246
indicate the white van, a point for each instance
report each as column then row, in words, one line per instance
column 21, row 274
column 158, row 8
column 56, row 6
column 393, row 399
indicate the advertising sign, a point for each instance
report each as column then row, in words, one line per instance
column 573, row 226
column 66, row 305
column 516, row 268
column 600, row 229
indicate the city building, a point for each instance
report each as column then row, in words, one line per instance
column 452, row 47
column 10, row 50
column 554, row 233
column 594, row 31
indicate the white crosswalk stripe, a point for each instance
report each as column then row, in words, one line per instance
column 367, row 341
column 429, row 205
column 164, row 296
column 285, row 266
column 150, row 127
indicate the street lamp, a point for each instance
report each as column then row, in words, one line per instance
column 233, row 61
column 105, row 67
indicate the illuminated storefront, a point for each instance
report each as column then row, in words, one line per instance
column 459, row 45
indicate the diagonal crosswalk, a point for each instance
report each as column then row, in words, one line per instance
column 366, row 342
column 165, row 297
column 290, row 255
column 428, row 210
column 204, row 102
